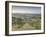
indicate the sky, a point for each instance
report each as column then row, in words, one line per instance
column 26, row 9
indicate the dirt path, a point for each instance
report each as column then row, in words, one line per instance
column 26, row 26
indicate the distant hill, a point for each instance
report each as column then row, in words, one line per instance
column 25, row 14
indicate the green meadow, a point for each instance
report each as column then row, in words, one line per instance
column 26, row 22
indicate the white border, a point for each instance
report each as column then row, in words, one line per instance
column 27, row 31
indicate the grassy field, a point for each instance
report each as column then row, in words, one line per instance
column 26, row 23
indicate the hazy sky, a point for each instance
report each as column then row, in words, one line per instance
column 24, row 9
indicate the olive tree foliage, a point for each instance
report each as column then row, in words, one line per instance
column 13, row 20
column 18, row 21
column 36, row 22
